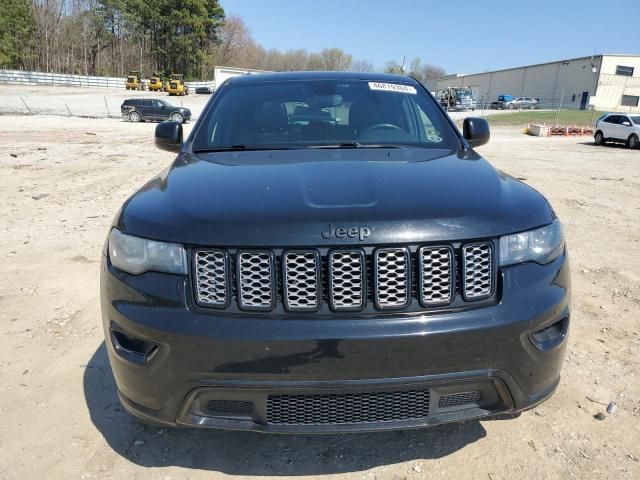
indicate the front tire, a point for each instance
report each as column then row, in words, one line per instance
column 135, row 117
column 177, row 117
column 633, row 142
column 511, row 107
column 599, row 138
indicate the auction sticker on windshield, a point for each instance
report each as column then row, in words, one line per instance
column 393, row 87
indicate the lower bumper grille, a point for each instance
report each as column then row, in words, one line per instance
column 350, row 408
column 458, row 399
column 229, row 407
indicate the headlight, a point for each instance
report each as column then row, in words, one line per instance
column 136, row 255
column 541, row 245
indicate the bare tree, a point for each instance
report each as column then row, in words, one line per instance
column 233, row 37
column 336, row 59
column 362, row 66
column 47, row 16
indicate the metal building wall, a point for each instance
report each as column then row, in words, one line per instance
column 551, row 83
column 611, row 88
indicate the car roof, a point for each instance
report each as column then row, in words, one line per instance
column 289, row 76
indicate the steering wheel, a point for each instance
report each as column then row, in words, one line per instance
column 381, row 126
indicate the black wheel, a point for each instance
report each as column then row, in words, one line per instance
column 633, row 142
column 532, row 106
column 135, row 117
column 599, row 138
column 511, row 106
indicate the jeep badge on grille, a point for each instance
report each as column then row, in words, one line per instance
column 343, row 232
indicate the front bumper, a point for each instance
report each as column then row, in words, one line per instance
column 241, row 364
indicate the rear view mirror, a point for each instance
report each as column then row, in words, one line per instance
column 169, row 136
column 476, row 131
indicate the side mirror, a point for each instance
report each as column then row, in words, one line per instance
column 476, row 131
column 626, row 124
column 169, row 136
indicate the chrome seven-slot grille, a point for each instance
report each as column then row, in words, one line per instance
column 391, row 278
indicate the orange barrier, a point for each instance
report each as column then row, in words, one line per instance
column 567, row 130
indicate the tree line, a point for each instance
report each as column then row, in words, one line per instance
column 112, row 37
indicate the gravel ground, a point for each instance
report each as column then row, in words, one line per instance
column 63, row 180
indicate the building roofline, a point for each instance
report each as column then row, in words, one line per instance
column 618, row 55
column 588, row 57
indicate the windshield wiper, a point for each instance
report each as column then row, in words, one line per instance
column 345, row 145
column 358, row 145
column 242, row 148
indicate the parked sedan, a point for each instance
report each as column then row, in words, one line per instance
column 204, row 90
column 522, row 102
column 615, row 127
column 145, row 109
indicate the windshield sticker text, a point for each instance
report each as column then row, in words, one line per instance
column 393, row 87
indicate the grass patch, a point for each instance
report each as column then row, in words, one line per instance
column 583, row 118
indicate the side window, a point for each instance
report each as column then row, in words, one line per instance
column 611, row 119
column 157, row 104
column 625, row 121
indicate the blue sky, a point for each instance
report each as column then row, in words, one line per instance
column 461, row 36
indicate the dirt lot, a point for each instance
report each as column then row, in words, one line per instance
column 63, row 179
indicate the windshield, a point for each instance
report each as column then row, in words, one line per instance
column 323, row 113
column 635, row 119
column 463, row 92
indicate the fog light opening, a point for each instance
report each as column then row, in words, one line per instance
column 550, row 336
column 133, row 349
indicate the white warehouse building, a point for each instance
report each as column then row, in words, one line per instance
column 607, row 82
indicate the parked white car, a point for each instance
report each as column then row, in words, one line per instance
column 618, row 127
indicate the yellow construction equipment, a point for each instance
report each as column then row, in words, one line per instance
column 177, row 85
column 134, row 81
column 155, row 83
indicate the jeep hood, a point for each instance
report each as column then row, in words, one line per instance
column 288, row 198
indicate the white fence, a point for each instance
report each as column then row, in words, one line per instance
column 21, row 77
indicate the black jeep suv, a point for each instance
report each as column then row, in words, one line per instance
column 328, row 253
